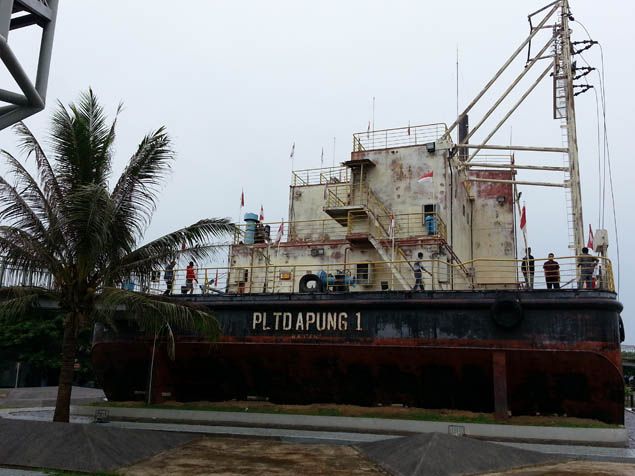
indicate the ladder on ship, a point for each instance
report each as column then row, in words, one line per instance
column 560, row 112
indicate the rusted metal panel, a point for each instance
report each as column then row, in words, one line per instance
column 582, row 384
column 424, row 349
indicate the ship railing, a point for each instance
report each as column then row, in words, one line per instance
column 15, row 276
column 398, row 137
column 399, row 226
column 572, row 273
column 406, row 225
column 488, row 273
column 493, row 160
column 292, row 232
column 337, row 195
column 322, row 176
column 439, row 274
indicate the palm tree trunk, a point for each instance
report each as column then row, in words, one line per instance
column 69, row 350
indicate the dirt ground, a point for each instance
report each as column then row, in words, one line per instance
column 576, row 468
column 251, row 457
column 238, row 456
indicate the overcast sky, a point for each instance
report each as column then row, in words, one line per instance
column 236, row 83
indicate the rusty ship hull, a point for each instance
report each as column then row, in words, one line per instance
column 540, row 352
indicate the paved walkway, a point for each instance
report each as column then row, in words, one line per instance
column 331, row 436
column 46, row 396
column 20, row 472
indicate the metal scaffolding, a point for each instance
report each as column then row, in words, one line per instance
column 557, row 51
column 15, row 14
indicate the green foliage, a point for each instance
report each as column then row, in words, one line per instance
column 36, row 339
column 32, row 340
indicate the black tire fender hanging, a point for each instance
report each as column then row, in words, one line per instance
column 507, row 312
column 308, row 278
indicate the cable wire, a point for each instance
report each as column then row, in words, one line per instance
column 606, row 165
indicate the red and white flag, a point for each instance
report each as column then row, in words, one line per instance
column 523, row 220
column 280, row 233
column 426, row 177
column 262, row 214
column 242, row 198
column 589, row 243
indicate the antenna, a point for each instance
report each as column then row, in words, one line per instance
column 457, row 80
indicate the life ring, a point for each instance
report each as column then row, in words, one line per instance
column 507, row 312
column 309, row 278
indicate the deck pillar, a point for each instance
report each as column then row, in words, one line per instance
column 499, row 362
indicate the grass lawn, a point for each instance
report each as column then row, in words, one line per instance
column 397, row 412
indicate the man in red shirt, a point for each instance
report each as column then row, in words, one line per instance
column 190, row 277
column 552, row 273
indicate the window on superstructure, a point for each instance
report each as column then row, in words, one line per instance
column 429, row 209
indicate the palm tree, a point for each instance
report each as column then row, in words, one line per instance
column 71, row 225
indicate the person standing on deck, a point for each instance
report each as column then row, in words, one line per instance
column 190, row 277
column 528, row 268
column 168, row 276
column 552, row 273
column 418, row 270
column 586, row 263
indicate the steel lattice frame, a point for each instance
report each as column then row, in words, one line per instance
column 31, row 99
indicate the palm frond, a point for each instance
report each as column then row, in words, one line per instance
column 20, row 249
column 89, row 217
column 82, row 142
column 29, row 145
column 194, row 238
column 152, row 313
column 15, row 210
column 18, row 301
column 36, row 214
column 136, row 191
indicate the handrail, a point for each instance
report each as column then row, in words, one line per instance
column 325, row 175
column 489, row 274
column 398, row 137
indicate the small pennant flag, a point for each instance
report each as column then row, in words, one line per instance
column 590, row 242
column 262, row 214
column 242, row 198
column 408, row 127
column 523, row 219
column 292, row 154
column 280, row 232
column 322, row 158
column 426, row 177
column 368, row 129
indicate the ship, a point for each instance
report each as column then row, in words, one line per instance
column 397, row 279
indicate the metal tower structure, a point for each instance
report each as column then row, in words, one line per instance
column 557, row 51
column 15, row 14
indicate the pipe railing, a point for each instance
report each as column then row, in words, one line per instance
column 398, row 137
